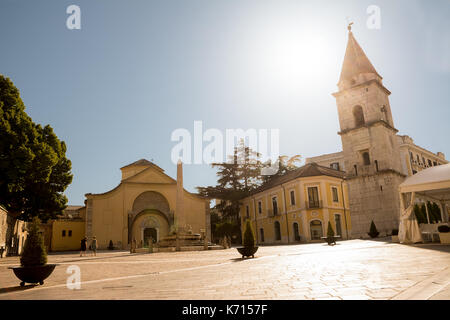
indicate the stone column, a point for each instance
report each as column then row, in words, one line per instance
column 180, row 218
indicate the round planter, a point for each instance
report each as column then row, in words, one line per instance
column 247, row 251
column 35, row 274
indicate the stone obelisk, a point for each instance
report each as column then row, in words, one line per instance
column 179, row 212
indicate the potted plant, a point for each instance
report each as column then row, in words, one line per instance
column 444, row 234
column 110, row 245
column 394, row 235
column 330, row 235
column 33, row 261
column 249, row 248
column 373, row 230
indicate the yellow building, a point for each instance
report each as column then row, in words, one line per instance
column 297, row 206
column 143, row 206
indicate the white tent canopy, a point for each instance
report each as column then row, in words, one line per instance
column 432, row 183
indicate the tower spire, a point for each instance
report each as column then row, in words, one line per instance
column 355, row 63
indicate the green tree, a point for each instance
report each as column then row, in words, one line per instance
column 34, row 170
column 285, row 165
column 34, row 253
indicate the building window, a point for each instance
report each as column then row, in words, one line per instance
column 411, row 156
column 337, row 219
column 292, row 198
column 335, row 166
column 366, row 158
column 261, row 232
column 277, row 230
column 356, row 169
column 247, row 212
column 64, row 233
column 275, row 205
column 313, row 197
column 259, row 207
column 358, row 115
column 334, row 191
column 70, row 233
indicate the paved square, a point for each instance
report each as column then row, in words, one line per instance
column 355, row 269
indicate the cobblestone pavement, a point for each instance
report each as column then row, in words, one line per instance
column 355, row 269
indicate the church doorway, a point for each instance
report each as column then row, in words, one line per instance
column 150, row 233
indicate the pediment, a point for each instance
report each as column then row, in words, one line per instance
column 150, row 175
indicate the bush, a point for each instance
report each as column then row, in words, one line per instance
column 249, row 236
column 34, row 253
column 395, row 232
column 110, row 246
column 330, row 231
column 373, row 230
column 421, row 218
column 444, row 229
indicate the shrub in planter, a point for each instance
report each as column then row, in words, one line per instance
column 34, row 253
column 34, row 267
column 373, row 233
column 330, row 234
column 110, row 246
column 444, row 229
column 249, row 236
column 249, row 248
column 395, row 232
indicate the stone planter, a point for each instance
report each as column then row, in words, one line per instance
column 35, row 274
column 247, row 251
column 395, row 239
column 444, row 237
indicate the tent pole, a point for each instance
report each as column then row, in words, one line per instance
column 426, row 209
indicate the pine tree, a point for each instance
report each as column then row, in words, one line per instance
column 34, row 253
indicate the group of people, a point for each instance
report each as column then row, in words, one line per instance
column 92, row 247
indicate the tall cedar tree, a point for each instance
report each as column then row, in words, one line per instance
column 34, row 170
column 34, row 253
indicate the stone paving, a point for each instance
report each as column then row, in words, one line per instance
column 355, row 269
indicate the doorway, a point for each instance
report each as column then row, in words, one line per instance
column 150, row 233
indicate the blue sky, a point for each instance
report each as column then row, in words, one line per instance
column 115, row 90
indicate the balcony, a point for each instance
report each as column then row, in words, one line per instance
column 316, row 204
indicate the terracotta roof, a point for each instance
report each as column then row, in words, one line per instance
column 355, row 61
column 308, row 170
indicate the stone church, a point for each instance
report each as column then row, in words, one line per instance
column 147, row 204
column 375, row 158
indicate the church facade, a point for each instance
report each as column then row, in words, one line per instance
column 375, row 158
column 143, row 207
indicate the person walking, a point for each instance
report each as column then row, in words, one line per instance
column 83, row 246
column 94, row 246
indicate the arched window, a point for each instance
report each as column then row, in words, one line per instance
column 358, row 115
column 277, row 230
column 366, row 158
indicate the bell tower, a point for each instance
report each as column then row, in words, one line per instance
column 369, row 142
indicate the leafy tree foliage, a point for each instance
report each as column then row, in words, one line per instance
column 34, row 170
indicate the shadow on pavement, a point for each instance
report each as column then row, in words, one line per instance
column 17, row 288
